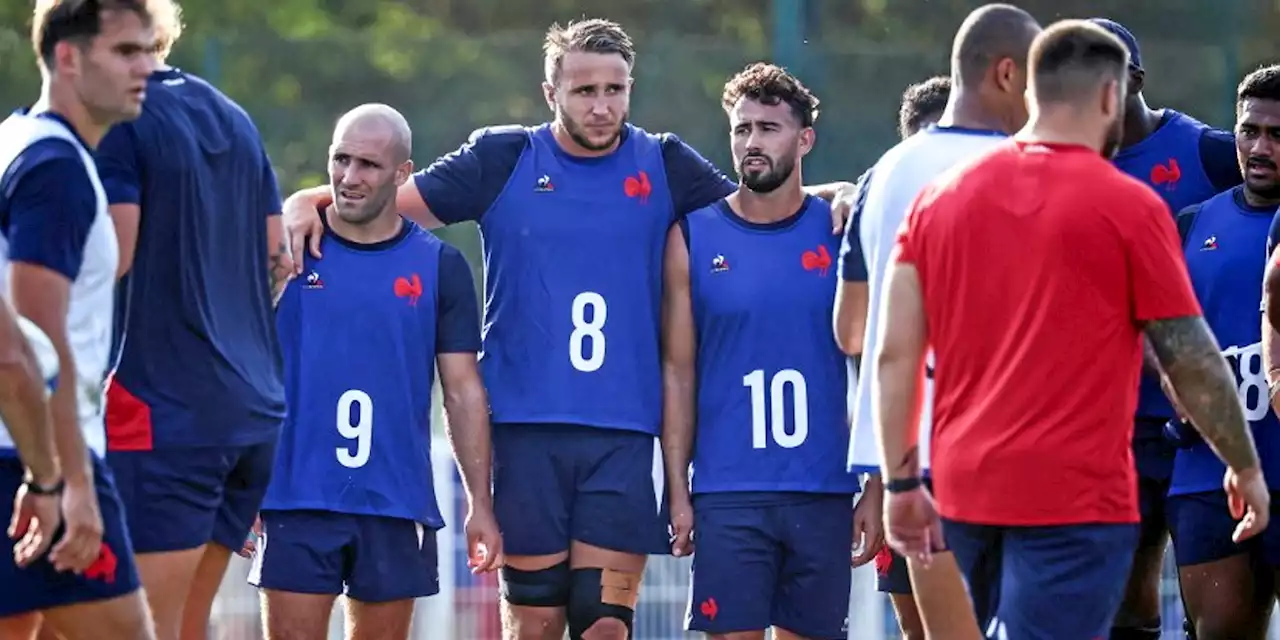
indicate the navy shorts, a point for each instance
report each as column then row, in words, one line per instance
column 1153, row 459
column 183, row 498
column 771, row 559
column 556, row 483
column 892, row 576
column 368, row 558
column 1044, row 583
column 1201, row 524
column 40, row 586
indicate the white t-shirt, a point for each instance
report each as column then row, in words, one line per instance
column 890, row 187
column 92, row 299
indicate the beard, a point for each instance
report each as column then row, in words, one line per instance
column 770, row 178
column 577, row 132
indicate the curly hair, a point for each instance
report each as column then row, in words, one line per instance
column 922, row 101
column 770, row 84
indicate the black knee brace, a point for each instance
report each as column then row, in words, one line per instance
column 601, row 593
column 545, row 588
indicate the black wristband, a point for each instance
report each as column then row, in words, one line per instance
column 35, row 488
column 903, row 485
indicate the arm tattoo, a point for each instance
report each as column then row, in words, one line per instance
column 910, row 463
column 1189, row 356
column 278, row 271
column 1150, row 363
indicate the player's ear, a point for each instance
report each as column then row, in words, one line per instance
column 549, row 94
column 1006, row 70
column 807, row 138
column 66, row 57
column 1137, row 77
column 1112, row 101
column 403, row 172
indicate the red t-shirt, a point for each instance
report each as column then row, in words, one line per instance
column 1039, row 264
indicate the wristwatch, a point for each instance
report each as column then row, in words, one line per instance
column 902, row 485
column 35, row 488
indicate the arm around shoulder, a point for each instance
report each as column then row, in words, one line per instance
column 461, row 185
column 694, row 182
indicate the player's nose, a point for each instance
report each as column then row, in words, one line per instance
column 601, row 107
column 1262, row 147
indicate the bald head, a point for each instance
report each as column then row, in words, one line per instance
column 368, row 161
column 373, row 120
column 991, row 33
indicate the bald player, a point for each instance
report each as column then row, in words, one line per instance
column 984, row 105
column 351, row 507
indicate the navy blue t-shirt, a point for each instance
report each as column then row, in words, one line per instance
column 360, row 333
column 200, row 364
column 465, row 183
column 853, row 262
column 573, row 259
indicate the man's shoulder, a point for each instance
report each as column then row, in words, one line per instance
column 1184, row 120
column 25, row 139
column 926, row 157
column 53, row 158
column 504, row 136
column 709, row 212
column 181, row 104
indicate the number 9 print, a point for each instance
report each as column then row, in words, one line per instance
column 355, row 401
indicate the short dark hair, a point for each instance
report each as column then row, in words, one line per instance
column 770, row 84
column 78, row 21
column 594, row 35
column 921, row 101
column 1072, row 57
column 1261, row 84
column 990, row 33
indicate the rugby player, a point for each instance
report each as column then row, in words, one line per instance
column 746, row 303
column 363, row 331
column 61, row 254
column 985, row 103
column 195, row 402
column 1185, row 161
column 961, row 284
column 1224, row 240
column 574, row 215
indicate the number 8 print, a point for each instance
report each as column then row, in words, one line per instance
column 584, row 330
